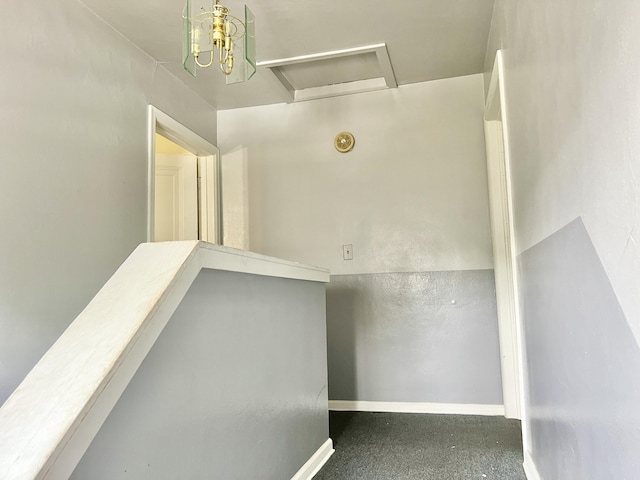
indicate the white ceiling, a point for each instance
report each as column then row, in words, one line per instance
column 426, row 39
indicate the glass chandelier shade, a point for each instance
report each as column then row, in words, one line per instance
column 213, row 37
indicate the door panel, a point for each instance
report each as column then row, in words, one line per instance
column 176, row 198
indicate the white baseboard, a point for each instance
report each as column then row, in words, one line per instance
column 530, row 470
column 408, row 407
column 316, row 462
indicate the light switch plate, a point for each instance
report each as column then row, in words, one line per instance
column 347, row 252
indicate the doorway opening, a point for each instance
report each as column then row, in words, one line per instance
column 504, row 248
column 184, row 201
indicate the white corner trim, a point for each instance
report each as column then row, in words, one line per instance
column 530, row 469
column 410, row 407
column 316, row 462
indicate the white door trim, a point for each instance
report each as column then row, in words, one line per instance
column 208, row 163
column 510, row 324
column 209, row 199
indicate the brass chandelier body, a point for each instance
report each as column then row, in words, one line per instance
column 209, row 31
column 216, row 30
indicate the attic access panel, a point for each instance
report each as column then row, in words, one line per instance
column 331, row 74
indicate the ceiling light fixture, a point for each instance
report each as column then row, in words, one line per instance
column 209, row 31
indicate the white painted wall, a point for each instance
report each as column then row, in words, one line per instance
column 235, row 199
column 572, row 74
column 73, row 150
column 410, row 197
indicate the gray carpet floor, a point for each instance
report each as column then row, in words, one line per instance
column 401, row 446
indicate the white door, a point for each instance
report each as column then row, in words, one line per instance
column 176, row 197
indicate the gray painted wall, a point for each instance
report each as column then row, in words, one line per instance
column 234, row 388
column 572, row 98
column 584, row 363
column 73, row 150
column 411, row 197
column 414, row 337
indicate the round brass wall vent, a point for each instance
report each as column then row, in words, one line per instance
column 344, row 142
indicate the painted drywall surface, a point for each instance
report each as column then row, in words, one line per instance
column 574, row 112
column 73, row 147
column 584, row 388
column 235, row 199
column 411, row 196
column 164, row 145
column 414, row 337
column 234, row 388
column 572, row 99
